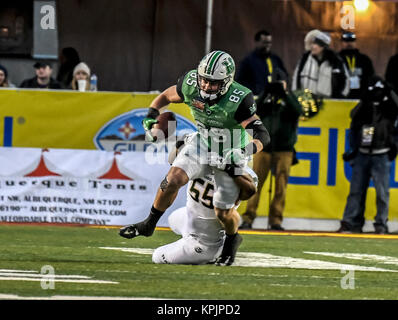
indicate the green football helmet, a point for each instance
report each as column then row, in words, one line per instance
column 217, row 67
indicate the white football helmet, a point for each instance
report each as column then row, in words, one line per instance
column 217, row 67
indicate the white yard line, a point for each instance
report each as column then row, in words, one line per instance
column 14, row 274
column 18, row 271
column 40, row 278
column 264, row 260
column 131, row 250
column 359, row 256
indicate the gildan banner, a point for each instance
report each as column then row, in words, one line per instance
column 319, row 184
column 79, row 186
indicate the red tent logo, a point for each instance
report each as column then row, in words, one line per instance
column 43, row 171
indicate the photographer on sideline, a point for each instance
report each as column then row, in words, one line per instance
column 373, row 148
column 279, row 111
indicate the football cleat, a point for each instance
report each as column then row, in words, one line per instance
column 230, row 248
column 129, row 231
column 139, row 229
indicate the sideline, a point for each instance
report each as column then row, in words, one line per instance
column 291, row 233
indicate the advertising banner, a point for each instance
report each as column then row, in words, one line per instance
column 109, row 121
column 319, row 184
column 79, row 186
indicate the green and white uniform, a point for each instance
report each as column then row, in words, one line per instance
column 216, row 123
column 219, row 131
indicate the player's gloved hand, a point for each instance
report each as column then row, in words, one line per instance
column 236, row 157
column 148, row 123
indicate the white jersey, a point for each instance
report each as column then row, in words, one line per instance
column 202, row 233
column 202, row 221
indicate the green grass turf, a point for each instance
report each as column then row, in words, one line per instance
column 75, row 251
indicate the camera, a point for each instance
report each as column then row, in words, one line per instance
column 275, row 89
column 268, row 99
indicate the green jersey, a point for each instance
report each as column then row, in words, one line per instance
column 217, row 124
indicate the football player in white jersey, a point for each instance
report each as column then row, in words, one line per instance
column 202, row 232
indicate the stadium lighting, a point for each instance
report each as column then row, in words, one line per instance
column 361, row 5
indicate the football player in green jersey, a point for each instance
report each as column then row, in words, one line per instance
column 224, row 112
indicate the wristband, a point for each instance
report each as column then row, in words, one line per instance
column 250, row 149
column 153, row 113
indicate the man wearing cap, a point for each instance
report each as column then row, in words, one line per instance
column 372, row 151
column 321, row 70
column 359, row 65
column 43, row 79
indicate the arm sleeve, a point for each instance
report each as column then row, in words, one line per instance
column 246, row 109
column 259, row 133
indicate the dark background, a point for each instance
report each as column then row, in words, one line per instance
column 136, row 45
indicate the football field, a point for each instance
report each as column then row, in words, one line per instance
column 63, row 262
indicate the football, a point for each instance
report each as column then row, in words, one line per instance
column 165, row 127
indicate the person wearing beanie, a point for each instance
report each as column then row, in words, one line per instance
column 4, row 83
column 81, row 72
column 359, row 65
column 321, row 70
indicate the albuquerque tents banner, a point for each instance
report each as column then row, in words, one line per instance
column 79, row 186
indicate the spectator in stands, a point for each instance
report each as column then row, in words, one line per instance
column 359, row 65
column 392, row 72
column 43, row 79
column 4, row 82
column 81, row 72
column 69, row 59
column 321, row 70
column 372, row 150
column 261, row 66
column 279, row 111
